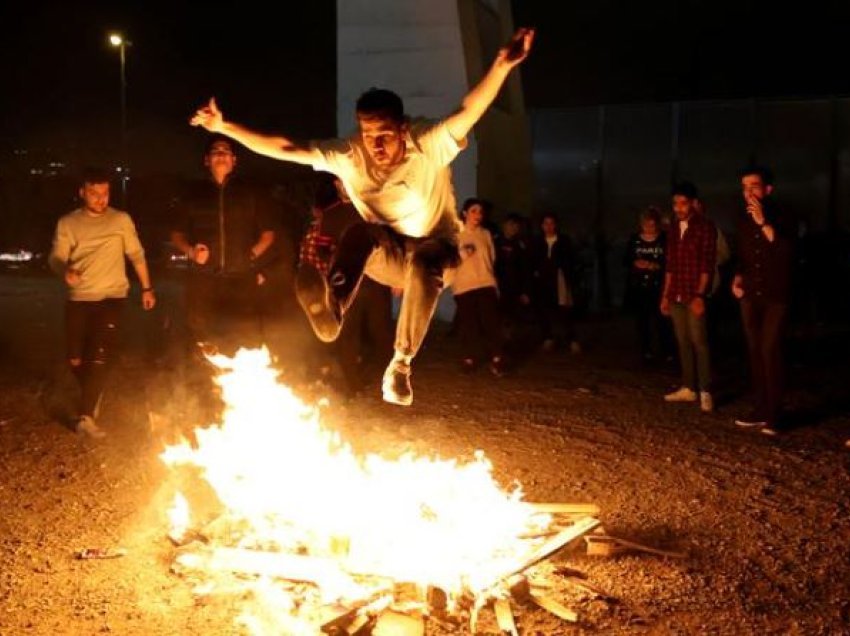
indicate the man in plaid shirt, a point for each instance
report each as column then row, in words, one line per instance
column 691, row 258
column 369, row 319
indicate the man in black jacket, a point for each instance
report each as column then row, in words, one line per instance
column 762, row 283
column 552, row 266
column 226, row 228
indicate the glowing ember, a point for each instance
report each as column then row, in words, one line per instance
column 301, row 506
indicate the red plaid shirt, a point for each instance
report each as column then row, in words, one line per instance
column 317, row 248
column 689, row 256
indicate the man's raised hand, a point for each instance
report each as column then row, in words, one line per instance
column 518, row 48
column 208, row 117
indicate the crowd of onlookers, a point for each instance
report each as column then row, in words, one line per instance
column 510, row 280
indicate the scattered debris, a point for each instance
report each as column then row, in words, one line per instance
column 100, row 553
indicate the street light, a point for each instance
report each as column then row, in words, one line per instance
column 118, row 41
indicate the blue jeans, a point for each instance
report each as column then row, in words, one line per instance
column 692, row 341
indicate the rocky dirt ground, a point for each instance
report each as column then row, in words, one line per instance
column 765, row 523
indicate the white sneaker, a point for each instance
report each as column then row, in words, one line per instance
column 575, row 347
column 706, row 402
column 87, row 425
column 548, row 344
column 682, row 395
column 753, row 420
column 396, row 387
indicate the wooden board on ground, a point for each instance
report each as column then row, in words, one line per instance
column 505, row 616
column 556, row 608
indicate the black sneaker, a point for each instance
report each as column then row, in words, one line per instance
column 396, row 384
column 322, row 308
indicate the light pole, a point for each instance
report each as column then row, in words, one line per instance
column 118, row 41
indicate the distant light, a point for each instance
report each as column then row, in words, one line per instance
column 18, row 256
column 115, row 39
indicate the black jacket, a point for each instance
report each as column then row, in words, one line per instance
column 765, row 266
column 228, row 219
column 513, row 272
column 545, row 266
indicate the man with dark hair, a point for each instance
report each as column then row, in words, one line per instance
column 512, row 271
column 553, row 268
column 381, row 104
column 396, row 172
column 762, row 283
column 226, row 228
column 89, row 248
column 691, row 255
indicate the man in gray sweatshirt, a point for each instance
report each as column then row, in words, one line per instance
column 89, row 247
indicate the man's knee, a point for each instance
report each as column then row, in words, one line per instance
column 75, row 362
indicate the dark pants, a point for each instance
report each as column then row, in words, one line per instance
column 226, row 311
column 553, row 317
column 764, row 324
column 692, row 342
column 479, row 323
column 416, row 265
column 653, row 329
column 91, row 332
column 368, row 324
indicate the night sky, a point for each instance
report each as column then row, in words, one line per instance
column 61, row 84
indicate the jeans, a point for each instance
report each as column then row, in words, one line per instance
column 91, row 332
column 692, row 341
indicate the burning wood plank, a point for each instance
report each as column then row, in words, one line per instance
column 597, row 592
column 564, row 537
column 359, row 625
column 394, row 624
column 354, row 616
column 606, row 545
column 582, row 509
column 554, row 607
column 505, row 616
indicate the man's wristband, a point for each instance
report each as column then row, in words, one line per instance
column 147, row 289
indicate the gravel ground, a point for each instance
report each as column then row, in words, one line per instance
column 764, row 522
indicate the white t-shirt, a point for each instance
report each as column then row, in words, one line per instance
column 477, row 255
column 416, row 197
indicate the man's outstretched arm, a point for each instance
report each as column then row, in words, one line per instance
column 478, row 100
column 274, row 146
